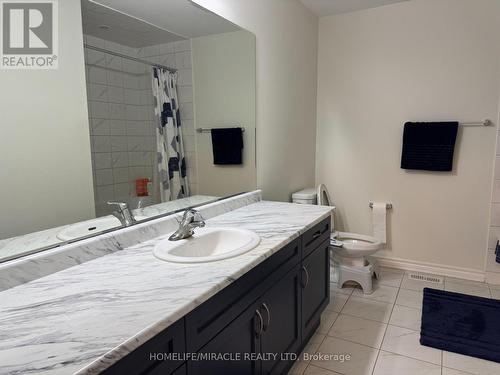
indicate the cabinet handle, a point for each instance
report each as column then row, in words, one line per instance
column 306, row 272
column 258, row 331
column 316, row 235
column 268, row 313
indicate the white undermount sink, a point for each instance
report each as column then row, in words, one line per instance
column 207, row 245
column 86, row 228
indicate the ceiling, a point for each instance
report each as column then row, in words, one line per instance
column 121, row 28
column 147, row 22
column 329, row 7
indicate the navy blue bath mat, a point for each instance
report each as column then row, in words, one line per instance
column 461, row 323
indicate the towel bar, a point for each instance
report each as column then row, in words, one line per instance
column 207, row 130
column 482, row 123
column 388, row 206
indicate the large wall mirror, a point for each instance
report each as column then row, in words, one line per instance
column 171, row 125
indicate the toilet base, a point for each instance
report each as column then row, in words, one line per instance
column 362, row 275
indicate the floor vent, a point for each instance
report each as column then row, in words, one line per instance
column 427, row 278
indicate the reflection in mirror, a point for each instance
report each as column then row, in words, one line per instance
column 171, row 113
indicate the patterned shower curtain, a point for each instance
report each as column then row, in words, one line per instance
column 169, row 145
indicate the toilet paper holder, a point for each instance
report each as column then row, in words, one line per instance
column 388, row 205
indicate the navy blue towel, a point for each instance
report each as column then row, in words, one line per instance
column 227, row 145
column 461, row 323
column 429, row 146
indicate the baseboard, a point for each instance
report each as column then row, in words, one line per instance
column 437, row 269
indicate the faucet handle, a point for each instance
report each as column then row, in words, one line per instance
column 121, row 205
column 190, row 216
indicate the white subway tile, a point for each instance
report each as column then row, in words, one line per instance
column 183, row 60
column 115, row 94
column 97, row 92
column 105, row 193
column 103, row 177
column 96, row 74
column 102, row 160
column 117, row 127
column 185, row 94
column 113, row 62
column 185, row 77
column 119, row 159
column 167, row 48
column 101, row 143
column 119, row 143
column 95, row 58
column 182, row 45
column 122, row 191
column 120, row 175
column 99, row 126
column 114, row 78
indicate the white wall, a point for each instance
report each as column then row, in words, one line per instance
column 45, row 168
column 286, row 52
column 419, row 60
column 224, row 96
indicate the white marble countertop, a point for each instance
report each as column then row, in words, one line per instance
column 84, row 318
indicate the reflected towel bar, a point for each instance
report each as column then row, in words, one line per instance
column 388, row 205
column 207, row 130
column 482, row 123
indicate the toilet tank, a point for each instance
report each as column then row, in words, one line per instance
column 309, row 196
column 305, row 196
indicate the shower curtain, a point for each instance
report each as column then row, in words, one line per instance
column 169, row 145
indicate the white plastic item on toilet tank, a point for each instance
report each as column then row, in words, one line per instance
column 305, row 196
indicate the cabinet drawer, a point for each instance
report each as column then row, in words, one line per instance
column 139, row 362
column 208, row 319
column 315, row 236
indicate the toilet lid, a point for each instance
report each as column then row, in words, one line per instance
column 323, row 196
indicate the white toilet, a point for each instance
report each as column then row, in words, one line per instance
column 349, row 250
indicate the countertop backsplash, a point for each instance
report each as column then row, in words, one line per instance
column 31, row 267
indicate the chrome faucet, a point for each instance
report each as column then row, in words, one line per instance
column 187, row 224
column 123, row 213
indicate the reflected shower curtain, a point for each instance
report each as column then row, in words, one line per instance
column 169, row 145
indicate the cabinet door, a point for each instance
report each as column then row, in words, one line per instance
column 281, row 311
column 240, row 338
column 315, row 287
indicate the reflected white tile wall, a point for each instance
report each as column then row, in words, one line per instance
column 122, row 116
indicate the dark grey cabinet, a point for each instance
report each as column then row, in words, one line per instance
column 315, row 273
column 281, row 312
column 150, row 358
column 235, row 347
column 253, row 326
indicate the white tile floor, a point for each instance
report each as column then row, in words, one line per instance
column 381, row 331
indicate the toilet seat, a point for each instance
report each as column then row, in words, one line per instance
column 355, row 245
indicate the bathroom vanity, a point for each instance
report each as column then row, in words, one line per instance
column 111, row 312
column 272, row 309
